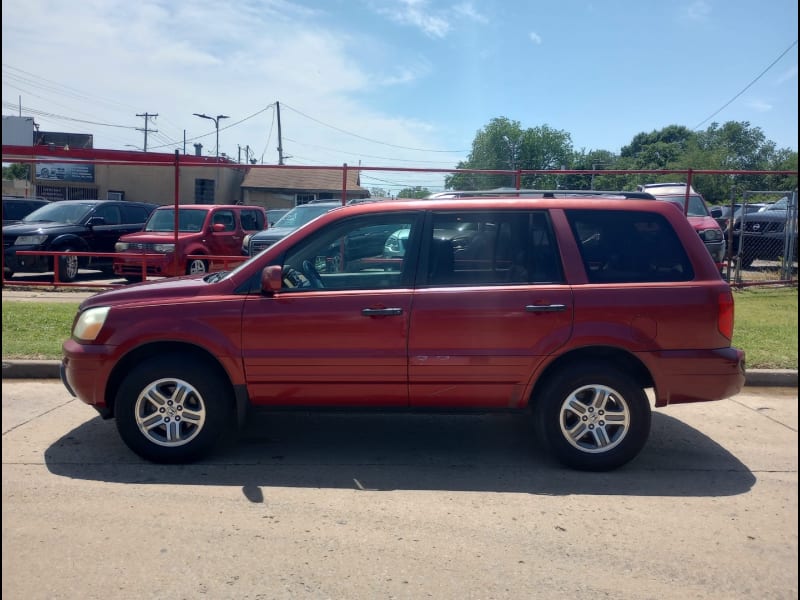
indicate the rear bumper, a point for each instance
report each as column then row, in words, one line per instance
column 697, row 375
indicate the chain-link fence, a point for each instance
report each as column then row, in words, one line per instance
column 761, row 232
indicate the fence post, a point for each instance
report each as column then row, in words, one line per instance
column 177, row 204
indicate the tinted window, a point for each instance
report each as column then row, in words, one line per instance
column 252, row 220
column 628, row 246
column 134, row 214
column 226, row 219
column 61, row 212
column 351, row 255
column 109, row 212
column 470, row 248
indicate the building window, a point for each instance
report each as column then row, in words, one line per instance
column 204, row 191
column 116, row 195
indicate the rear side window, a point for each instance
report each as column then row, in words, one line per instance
column 252, row 220
column 629, row 247
column 134, row 214
column 492, row 248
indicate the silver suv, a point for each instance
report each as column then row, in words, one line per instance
column 298, row 216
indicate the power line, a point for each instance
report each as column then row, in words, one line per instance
column 760, row 75
column 361, row 137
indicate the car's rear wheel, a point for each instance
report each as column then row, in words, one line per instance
column 592, row 417
column 196, row 266
column 172, row 409
column 68, row 267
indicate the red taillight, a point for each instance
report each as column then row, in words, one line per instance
column 725, row 314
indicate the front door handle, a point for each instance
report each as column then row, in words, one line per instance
column 535, row 308
column 381, row 312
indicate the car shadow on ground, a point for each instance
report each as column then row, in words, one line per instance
column 495, row 453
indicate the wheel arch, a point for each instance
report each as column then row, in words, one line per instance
column 190, row 352
column 621, row 359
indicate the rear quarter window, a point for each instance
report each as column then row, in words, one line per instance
column 629, row 247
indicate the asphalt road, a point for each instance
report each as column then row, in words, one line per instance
column 400, row 506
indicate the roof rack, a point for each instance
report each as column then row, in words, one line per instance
column 529, row 193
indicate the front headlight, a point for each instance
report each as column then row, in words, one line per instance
column 163, row 248
column 30, row 240
column 90, row 323
column 711, row 235
column 121, row 246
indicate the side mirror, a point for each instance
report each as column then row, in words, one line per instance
column 272, row 279
column 217, row 227
column 716, row 212
column 95, row 221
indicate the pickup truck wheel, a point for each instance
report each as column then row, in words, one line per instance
column 592, row 417
column 172, row 410
column 67, row 267
column 195, row 266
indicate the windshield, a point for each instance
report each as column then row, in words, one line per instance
column 697, row 207
column 60, row 212
column 188, row 220
column 300, row 215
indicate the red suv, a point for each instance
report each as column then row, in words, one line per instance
column 204, row 230
column 568, row 308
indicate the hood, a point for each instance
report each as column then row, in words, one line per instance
column 157, row 237
column 700, row 223
column 273, row 233
column 30, row 227
column 150, row 292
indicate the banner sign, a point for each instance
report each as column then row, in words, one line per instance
column 65, row 171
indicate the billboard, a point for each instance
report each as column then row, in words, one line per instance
column 81, row 172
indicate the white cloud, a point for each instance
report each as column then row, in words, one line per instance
column 699, row 10
column 468, row 11
column 760, row 105
column 788, row 75
column 535, row 37
column 417, row 14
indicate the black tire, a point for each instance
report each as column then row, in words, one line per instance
column 196, row 266
column 68, row 266
column 172, row 409
column 572, row 413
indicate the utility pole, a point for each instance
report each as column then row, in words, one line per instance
column 146, row 122
column 280, row 143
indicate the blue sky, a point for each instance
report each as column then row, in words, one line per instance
column 396, row 82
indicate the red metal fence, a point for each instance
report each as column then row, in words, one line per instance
column 741, row 269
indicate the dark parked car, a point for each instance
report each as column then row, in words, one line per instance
column 71, row 225
column 562, row 308
column 15, row 208
column 768, row 234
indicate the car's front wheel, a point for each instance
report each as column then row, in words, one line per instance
column 592, row 417
column 196, row 266
column 67, row 267
column 172, row 409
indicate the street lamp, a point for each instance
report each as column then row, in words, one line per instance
column 216, row 126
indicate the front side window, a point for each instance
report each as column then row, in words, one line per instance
column 492, row 248
column 352, row 254
column 629, row 247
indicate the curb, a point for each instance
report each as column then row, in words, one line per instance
column 49, row 369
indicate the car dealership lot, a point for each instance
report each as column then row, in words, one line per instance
column 400, row 506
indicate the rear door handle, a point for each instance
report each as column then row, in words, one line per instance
column 536, row 308
column 381, row 312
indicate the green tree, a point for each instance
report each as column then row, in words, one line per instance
column 378, row 192
column 504, row 146
column 16, row 171
column 415, row 192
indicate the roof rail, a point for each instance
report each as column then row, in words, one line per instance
column 530, row 193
